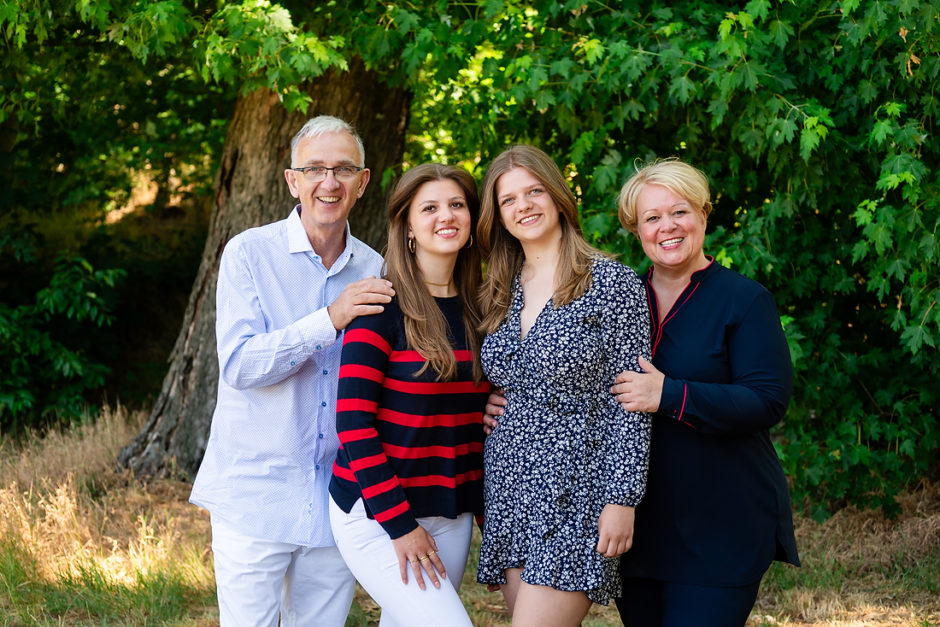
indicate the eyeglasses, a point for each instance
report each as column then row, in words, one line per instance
column 315, row 173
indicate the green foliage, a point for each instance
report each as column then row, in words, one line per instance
column 813, row 121
column 46, row 375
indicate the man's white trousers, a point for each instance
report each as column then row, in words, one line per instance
column 259, row 581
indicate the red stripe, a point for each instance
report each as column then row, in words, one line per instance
column 417, row 452
column 354, row 435
column 368, row 337
column 685, row 395
column 406, row 356
column 442, row 480
column 433, row 387
column 411, row 355
column 434, row 420
column 343, row 473
column 390, row 513
column 367, row 462
column 358, row 371
column 356, row 404
column 380, row 488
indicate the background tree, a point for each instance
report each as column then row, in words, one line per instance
column 813, row 122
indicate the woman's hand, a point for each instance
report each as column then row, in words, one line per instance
column 615, row 527
column 419, row 549
column 494, row 408
column 638, row 391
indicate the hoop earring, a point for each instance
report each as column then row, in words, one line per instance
column 411, row 245
column 469, row 241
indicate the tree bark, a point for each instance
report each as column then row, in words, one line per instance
column 251, row 190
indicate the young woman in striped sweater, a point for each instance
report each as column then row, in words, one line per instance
column 407, row 480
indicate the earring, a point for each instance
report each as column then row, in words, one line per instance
column 411, row 245
column 469, row 241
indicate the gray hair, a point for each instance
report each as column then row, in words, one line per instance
column 321, row 125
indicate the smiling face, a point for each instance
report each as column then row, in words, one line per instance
column 526, row 209
column 326, row 204
column 671, row 230
column 438, row 220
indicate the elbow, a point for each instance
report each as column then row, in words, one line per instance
column 232, row 372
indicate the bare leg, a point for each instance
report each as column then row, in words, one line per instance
column 541, row 606
column 511, row 587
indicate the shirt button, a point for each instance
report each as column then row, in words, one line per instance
column 292, row 363
column 317, row 466
column 323, row 404
column 320, row 436
column 318, row 347
column 325, row 372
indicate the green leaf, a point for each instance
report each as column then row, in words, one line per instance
column 780, row 32
column 682, row 88
column 809, row 140
column 916, row 337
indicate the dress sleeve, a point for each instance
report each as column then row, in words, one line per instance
column 367, row 345
column 625, row 435
column 250, row 354
column 761, row 379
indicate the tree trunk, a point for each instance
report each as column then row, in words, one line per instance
column 251, row 190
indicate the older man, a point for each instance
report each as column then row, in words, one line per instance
column 286, row 291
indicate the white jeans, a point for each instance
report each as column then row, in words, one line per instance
column 261, row 581
column 371, row 557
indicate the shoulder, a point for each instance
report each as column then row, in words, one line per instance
column 259, row 235
column 256, row 242
column 733, row 285
column 732, row 295
column 611, row 275
column 364, row 253
column 384, row 323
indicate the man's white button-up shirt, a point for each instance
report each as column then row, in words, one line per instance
column 268, row 462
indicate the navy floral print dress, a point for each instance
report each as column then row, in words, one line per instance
column 564, row 448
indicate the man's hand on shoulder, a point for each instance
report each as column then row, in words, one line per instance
column 362, row 298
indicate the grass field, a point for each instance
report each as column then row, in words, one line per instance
column 82, row 543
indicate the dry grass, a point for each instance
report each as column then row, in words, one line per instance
column 84, row 544
column 86, row 535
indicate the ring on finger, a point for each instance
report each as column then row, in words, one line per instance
column 424, row 558
column 430, row 553
column 413, row 561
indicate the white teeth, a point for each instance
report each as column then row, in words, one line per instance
column 671, row 242
column 528, row 219
column 447, row 231
column 329, row 198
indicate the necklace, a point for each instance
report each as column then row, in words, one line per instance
column 440, row 284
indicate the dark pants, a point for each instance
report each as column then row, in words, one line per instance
column 651, row 603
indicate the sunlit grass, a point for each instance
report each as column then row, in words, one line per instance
column 82, row 543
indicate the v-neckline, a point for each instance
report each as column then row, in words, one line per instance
column 517, row 311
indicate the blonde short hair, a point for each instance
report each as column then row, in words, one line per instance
column 678, row 177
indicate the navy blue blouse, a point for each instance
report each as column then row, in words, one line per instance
column 717, row 505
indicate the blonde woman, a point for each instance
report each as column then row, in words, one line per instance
column 720, row 377
column 407, row 480
column 566, row 464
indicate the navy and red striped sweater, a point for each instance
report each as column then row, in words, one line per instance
column 409, row 446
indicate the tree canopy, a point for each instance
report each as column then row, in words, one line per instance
column 814, row 122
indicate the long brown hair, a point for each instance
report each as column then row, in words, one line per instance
column 502, row 251
column 425, row 327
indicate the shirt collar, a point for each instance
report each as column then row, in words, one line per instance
column 698, row 275
column 297, row 240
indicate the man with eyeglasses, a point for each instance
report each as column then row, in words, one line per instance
column 286, row 291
